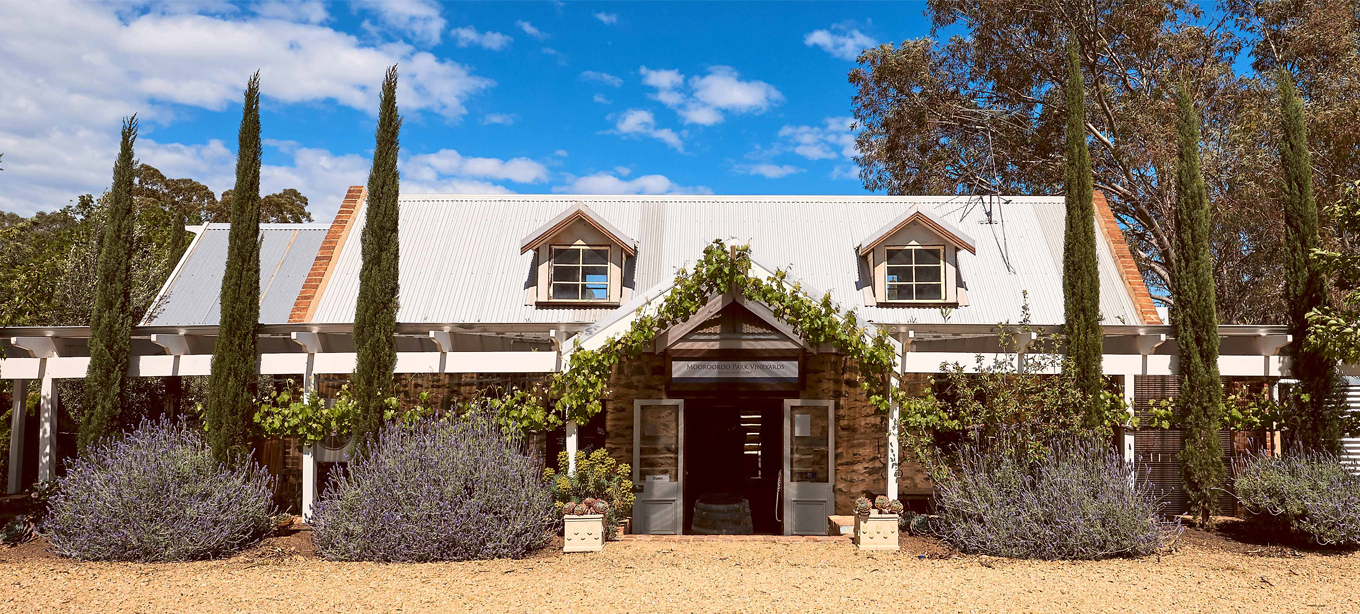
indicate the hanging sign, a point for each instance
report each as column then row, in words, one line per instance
column 749, row 371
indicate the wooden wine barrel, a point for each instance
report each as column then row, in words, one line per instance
column 721, row 514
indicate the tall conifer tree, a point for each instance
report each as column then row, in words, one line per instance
column 1315, row 421
column 232, row 385
column 1081, row 279
column 1195, row 317
column 375, row 315
column 111, row 315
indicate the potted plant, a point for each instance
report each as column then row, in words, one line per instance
column 583, row 525
column 598, row 477
column 876, row 523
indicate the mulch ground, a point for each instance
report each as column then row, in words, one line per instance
column 1217, row 570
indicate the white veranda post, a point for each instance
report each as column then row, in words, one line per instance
column 18, row 424
column 572, row 444
column 311, row 342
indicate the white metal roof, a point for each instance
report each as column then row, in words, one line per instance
column 190, row 296
column 460, row 259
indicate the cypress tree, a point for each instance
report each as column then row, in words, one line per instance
column 111, row 315
column 231, row 387
column 375, row 314
column 1081, row 278
column 1195, row 318
column 1315, row 422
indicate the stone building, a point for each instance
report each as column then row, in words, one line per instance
column 500, row 290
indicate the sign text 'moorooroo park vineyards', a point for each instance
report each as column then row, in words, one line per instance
column 696, row 371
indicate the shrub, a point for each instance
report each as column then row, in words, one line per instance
column 156, row 494
column 1073, row 499
column 438, row 490
column 1306, row 495
column 599, row 478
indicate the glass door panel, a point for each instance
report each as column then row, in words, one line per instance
column 658, row 465
column 809, row 465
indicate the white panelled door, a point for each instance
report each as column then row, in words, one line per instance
column 658, row 466
column 809, row 465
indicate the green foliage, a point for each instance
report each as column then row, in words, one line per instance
column 975, row 405
column 1243, row 411
column 580, row 388
column 1314, row 423
column 1195, row 318
column 1081, row 277
column 1334, row 331
column 598, row 476
column 111, row 317
column 375, row 316
column 308, row 417
column 232, row 383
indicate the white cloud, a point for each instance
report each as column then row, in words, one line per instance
column 468, row 36
column 834, row 138
column 430, row 168
column 605, row 183
column 306, row 11
column 622, row 171
column 602, row 77
column 840, row 41
column 72, row 72
column 703, row 99
column 844, row 171
column 561, row 153
column 503, row 119
column 638, row 123
column 529, row 29
column 602, row 99
column 608, row 18
column 768, row 171
column 419, row 19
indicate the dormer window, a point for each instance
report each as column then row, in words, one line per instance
column 579, row 259
column 914, row 261
column 580, row 273
column 914, row 274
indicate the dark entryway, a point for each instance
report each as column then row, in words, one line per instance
column 733, row 447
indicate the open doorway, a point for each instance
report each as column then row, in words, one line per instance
column 733, row 458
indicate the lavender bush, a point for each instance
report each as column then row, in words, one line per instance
column 1073, row 499
column 156, row 495
column 1308, row 496
column 447, row 490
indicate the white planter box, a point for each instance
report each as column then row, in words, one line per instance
column 583, row 533
column 876, row 531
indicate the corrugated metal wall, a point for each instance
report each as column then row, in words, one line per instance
column 1351, row 445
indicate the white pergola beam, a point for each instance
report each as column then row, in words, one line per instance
column 37, row 347
column 175, row 345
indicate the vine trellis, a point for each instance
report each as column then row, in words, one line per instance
column 579, row 389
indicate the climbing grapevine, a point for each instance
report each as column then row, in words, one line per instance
column 580, row 388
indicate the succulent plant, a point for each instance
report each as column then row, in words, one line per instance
column 896, row 507
column 589, row 502
column 601, row 506
column 881, row 503
column 863, row 505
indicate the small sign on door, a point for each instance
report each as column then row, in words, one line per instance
column 659, row 478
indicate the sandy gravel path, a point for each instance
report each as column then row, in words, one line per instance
column 696, row 577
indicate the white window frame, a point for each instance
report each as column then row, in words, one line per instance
column 887, row 284
column 581, row 283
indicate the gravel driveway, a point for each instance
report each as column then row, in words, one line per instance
column 1201, row 576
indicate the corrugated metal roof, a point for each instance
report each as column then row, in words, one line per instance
column 191, row 294
column 460, row 260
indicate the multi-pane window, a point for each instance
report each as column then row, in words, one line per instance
column 915, row 274
column 580, row 273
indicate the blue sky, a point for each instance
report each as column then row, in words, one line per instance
column 535, row 97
